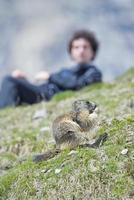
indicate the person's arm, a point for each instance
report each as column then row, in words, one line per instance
column 65, row 79
column 18, row 74
column 41, row 77
column 92, row 75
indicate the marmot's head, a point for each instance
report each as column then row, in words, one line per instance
column 80, row 105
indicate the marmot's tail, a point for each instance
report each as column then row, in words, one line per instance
column 45, row 156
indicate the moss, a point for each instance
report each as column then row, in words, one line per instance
column 5, row 183
column 127, row 75
column 63, row 96
column 102, row 173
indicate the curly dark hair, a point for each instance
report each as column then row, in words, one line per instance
column 87, row 35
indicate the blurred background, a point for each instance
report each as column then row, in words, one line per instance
column 34, row 34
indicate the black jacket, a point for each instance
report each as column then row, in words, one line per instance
column 71, row 79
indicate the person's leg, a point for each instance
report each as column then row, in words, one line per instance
column 48, row 90
column 17, row 91
column 8, row 93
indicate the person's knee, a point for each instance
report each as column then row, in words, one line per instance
column 7, row 80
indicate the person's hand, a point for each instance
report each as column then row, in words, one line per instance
column 42, row 76
column 18, row 74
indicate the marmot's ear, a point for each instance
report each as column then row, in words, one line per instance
column 76, row 104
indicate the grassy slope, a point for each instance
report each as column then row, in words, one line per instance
column 90, row 174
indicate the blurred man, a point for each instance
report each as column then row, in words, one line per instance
column 82, row 47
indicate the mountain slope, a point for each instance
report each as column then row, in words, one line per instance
column 105, row 173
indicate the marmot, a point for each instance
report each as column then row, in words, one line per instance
column 74, row 129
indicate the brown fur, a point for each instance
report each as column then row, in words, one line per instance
column 73, row 129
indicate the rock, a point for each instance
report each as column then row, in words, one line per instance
column 51, row 141
column 57, row 171
column 73, row 152
column 130, row 133
column 2, row 172
column 124, row 151
column 45, row 129
column 92, row 165
column 109, row 121
column 46, row 170
column 102, row 155
column 132, row 157
column 6, row 164
column 42, row 134
column 22, row 159
column 39, row 114
column 129, row 141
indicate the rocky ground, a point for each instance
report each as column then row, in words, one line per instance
column 82, row 174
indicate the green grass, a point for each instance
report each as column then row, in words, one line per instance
column 94, row 174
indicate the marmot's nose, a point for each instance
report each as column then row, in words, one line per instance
column 94, row 106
